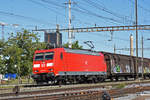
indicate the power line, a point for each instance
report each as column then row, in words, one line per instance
column 60, row 6
column 84, row 12
column 81, row 22
column 93, row 4
column 143, row 9
column 116, row 38
column 81, row 10
column 147, row 10
column 24, row 17
column 43, row 5
column 97, row 15
column 53, row 3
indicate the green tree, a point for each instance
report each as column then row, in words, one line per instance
column 19, row 51
column 2, row 65
column 75, row 45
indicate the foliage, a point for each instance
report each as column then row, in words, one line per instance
column 18, row 52
column 2, row 68
column 75, row 45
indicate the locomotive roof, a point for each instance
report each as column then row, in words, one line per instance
column 82, row 51
column 79, row 51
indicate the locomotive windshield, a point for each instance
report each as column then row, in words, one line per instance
column 44, row 56
column 49, row 55
column 39, row 56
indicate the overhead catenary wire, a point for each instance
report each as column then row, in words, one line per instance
column 43, row 5
column 61, row 6
column 53, row 3
column 143, row 10
column 81, row 22
column 96, row 5
column 116, row 38
column 25, row 17
column 82, row 10
column 88, row 12
column 147, row 10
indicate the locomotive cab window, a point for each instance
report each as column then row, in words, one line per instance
column 49, row 55
column 39, row 56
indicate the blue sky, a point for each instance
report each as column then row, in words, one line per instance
column 85, row 13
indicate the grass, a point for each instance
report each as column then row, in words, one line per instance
column 11, row 83
column 6, row 87
column 120, row 86
column 15, row 81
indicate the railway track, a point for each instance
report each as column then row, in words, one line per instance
column 85, row 93
column 100, row 84
column 81, row 91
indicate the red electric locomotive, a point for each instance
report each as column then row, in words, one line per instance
column 68, row 65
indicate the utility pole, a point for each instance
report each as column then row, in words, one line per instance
column 69, row 26
column 136, row 24
column 2, row 25
column 58, row 36
column 114, row 48
column 142, row 56
column 131, row 45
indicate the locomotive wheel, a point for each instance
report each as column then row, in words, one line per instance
column 101, row 79
column 59, row 82
column 126, row 78
column 39, row 83
column 42, row 82
column 144, row 77
column 148, row 76
column 96, row 80
column 116, row 78
column 63, row 81
column 111, row 78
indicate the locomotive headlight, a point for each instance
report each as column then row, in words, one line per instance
column 49, row 64
column 36, row 65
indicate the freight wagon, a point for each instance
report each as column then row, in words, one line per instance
column 124, row 66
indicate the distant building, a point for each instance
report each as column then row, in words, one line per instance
column 54, row 39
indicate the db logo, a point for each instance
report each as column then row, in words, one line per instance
column 86, row 62
column 43, row 65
